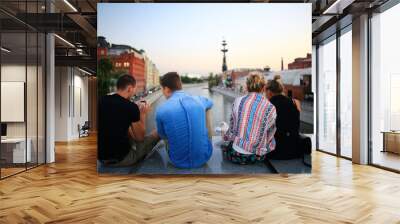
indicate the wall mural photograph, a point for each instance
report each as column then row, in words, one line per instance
column 197, row 89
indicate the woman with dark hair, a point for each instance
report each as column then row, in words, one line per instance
column 296, row 102
column 287, row 123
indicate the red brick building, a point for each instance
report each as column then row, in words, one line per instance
column 124, row 58
column 102, row 47
column 134, row 64
column 300, row 63
column 238, row 74
column 101, row 52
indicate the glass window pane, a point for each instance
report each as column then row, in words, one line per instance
column 385, row 84
column 346, row 94
column 31, row 97
column 13, row 86
column 23, row 89
column 327, row 97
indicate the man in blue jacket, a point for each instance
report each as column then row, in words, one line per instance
column 181, row 120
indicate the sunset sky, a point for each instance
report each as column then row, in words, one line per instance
column 187, row 37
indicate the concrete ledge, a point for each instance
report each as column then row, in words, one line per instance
column 159, row 163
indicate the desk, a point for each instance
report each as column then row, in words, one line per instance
column 13, row 150
column 391, row 141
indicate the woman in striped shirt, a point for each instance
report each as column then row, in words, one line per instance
column 252, row 124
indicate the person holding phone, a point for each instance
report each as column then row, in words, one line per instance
column 122, row 126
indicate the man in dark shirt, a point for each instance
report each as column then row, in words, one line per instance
column 121, row 131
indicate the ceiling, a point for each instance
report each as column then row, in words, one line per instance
column 76, row 21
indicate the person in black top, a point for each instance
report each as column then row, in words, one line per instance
column 287, row 123
column 121, row 130
column 295, row 101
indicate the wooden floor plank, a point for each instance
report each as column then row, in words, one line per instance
column 71, row 191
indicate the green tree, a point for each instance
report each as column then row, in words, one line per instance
column 186, row 79
column 213, row 80
column 104, row 76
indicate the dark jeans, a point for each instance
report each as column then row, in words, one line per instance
column 138, row 151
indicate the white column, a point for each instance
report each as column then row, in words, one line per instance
column 314, row 90
column 50, row 92
column 50, row 99
column 360, row 90
column 62, row 103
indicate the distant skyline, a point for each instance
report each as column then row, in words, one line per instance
column 187, row 37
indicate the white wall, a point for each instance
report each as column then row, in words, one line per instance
column 79, row 117
column 12, row 73
column 61, row 103
column 70, row 83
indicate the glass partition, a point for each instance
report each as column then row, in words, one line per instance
column 22, row 64
column 346, row 93
column 385, row 89
column 327, row 96
column 14, row 153
column 31, row 97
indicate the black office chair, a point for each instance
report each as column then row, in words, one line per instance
column 84, row 130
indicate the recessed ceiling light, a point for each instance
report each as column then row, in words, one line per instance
column 338, row 6
column 86, row 72
column 64, row 40
column 70, row 5
column 5, row 50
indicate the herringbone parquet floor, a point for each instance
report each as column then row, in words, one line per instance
column 70, row 191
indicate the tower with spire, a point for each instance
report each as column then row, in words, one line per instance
column 224, row 50
column 282, row 68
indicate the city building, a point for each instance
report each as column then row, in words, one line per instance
column 296, row 80
column 152, row 74
column 132, row 62
column 155, row 75
column 238, row 75
column 102, row 47
column 300, row 63
column 118, row 49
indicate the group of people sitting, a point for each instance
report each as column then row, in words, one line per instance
column 264, row 123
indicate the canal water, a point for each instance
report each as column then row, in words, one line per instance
column 221, row 110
